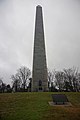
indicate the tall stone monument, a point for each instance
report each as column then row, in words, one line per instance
column 39, row 73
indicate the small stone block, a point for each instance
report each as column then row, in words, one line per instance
column 59, row 99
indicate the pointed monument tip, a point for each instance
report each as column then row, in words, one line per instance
column 39, row 6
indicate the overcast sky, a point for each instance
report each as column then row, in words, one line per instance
column 62, row 34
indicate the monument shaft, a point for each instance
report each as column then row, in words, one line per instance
column 39, row 73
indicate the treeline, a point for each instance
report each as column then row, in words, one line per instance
column 65, row 80
column 21, row 81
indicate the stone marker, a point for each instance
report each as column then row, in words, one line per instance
column 59, row 99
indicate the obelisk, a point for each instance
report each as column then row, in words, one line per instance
column 39, row 73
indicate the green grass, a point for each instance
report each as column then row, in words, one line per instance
column 34, row 106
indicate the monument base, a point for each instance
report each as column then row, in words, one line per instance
column 65, row 104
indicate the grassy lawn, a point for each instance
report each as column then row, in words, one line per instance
column 34, row 106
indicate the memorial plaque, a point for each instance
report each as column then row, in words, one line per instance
column 59, row 99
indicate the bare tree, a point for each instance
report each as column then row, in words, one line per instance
column 21, row 78
column 16, row 81
column 78, row 82
column 71, row 77
column 51, row 80
column 1, row 82
column 24, row 74
column 59, row 80
column 2, row 86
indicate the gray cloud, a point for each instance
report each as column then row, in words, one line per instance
column 62, row 34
